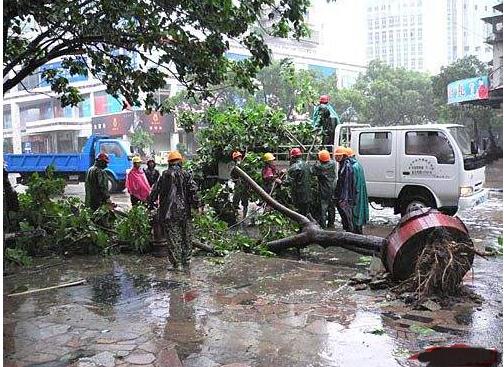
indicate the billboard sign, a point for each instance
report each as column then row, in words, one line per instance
column 472, row 89
column 156, row 123
column 117, row 124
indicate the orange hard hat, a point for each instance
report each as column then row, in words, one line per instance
column 174, row 155
column 324, row 156
column 296, row 152
column 340, row 151
column 103, row 157
column 236, row 154
column 349, row 152
column 324, row 99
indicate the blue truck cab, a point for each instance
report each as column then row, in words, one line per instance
column 73, row 166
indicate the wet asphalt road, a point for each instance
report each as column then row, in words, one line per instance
column 243, row 309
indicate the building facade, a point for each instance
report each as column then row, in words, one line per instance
column 34, row 121
column 318, row 52
column 495, row 40
column 427, row 34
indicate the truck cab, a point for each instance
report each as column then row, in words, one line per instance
column 409, row 167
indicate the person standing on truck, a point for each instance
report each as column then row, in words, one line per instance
column 325, row 119
column 299, row 180
column 270, row 173
column 151, row 172
column 361, row 205
column 240, row 193
column 137, row 184
column 344, row 193
column 325, row 171
column 97, row 193
column 177, row 194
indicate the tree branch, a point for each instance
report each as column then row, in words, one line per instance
column 311, row 232
column 30, row 68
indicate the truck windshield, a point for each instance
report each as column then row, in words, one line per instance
column 462, row 138
column 471, row 162
column 126, row 145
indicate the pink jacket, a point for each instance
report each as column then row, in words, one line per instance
column 137, row 184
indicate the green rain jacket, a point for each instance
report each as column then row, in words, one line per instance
column 326, row 176
column 316, row 115
column 299, row 179
column 96, row 185
column 361, row 208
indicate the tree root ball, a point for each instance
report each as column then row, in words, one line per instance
column 432, row 260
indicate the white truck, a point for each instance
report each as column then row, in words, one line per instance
column 409, row 167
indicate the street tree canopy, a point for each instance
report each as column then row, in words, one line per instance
column 132, row 46
column 395, row 96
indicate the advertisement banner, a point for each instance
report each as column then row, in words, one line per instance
column 155, row 123
column 472, row 89
column 117, row 124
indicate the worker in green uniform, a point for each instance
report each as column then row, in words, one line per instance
column 361, row 204
column 177, row 194
column 96, row 185
column 325, row 119
column 325, row 171
column 299, row 181
column 345, row 191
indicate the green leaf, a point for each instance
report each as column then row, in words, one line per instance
column 421, row 330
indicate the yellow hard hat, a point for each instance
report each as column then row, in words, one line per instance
column 174, row 156
column 268, row 157
column 349, row 152
column 340, row 151
column 136, row 159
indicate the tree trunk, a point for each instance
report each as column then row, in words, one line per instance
column 312, row 233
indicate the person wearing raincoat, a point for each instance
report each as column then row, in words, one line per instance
column 299, row 180
column 361, row 206
column 137, row 184
column 151, row 172
column 325, row 119
column 177, row 194
column 96, row 185
column 345, row 192
column 270, row 174
column 325, row 171
column 240, row 192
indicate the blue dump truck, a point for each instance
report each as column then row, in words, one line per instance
column 73, row 166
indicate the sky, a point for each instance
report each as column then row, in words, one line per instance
column 343, row 33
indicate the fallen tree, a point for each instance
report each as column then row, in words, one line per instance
column 311, row 232
column 430, row 256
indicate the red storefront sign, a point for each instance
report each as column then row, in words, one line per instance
column 155, row 123
column 118, row 124
column 114, row 125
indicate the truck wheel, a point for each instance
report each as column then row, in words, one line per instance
column 112, row 184
column 414, row 203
